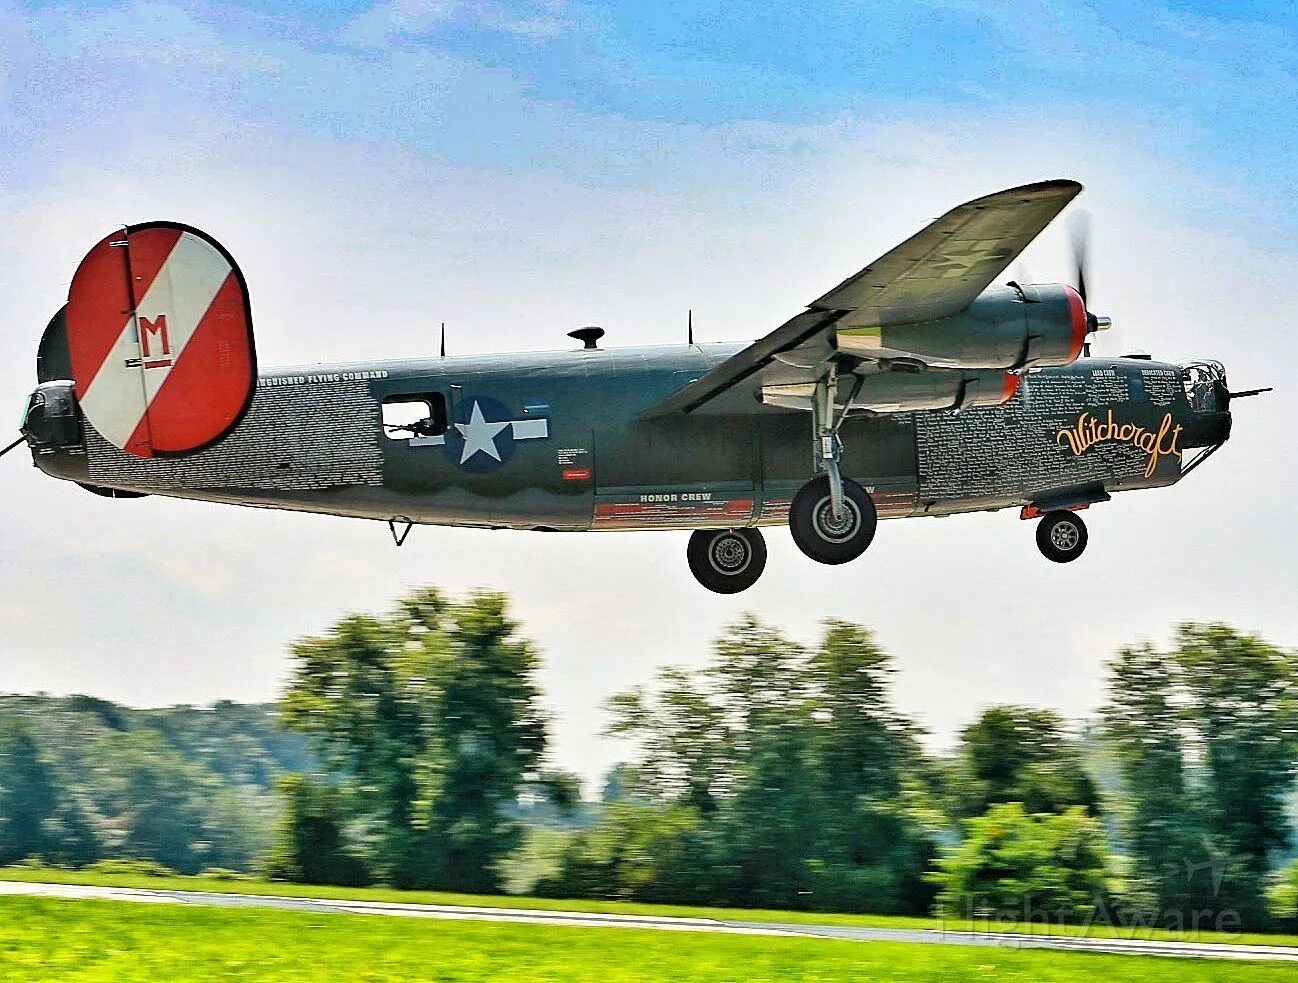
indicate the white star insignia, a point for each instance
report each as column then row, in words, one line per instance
column 479, row 435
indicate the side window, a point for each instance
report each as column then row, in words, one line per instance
column 407, row 415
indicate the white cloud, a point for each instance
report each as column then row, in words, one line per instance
column 390, row 20
column 397, row 18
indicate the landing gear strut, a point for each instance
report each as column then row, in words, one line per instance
column 727, row 560
column 832, row 518
column 1061, row 536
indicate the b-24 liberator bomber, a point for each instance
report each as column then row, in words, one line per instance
column 916, row 387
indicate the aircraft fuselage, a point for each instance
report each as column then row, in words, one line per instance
column 557, row 441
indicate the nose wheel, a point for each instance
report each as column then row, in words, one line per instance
column 727, row 560
column 1061, row 536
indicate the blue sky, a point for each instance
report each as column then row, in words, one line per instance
column 1215, row 83
column 517, row 169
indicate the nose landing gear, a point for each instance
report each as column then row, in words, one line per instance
column 1061, row 536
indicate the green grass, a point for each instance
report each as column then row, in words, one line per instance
column 122, row 942
column 177, row 883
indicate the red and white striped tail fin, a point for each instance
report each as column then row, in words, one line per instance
column 159, row 333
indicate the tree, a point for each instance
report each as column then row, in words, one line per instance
column 115, row 773
column 1051, row 867
column 1158, row 812
column 639, row 853
column 777, row 775
column 310, row 846
column 1020, row 754
column 238, row 826
column 685, row 742
column 1282, row 896
column 156, row 805
column 1242, row 697
column 1207, row 738
column 871, row 772
column 431, row 719
column 75, row 839
column 29, row 797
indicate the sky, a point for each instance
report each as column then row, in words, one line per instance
column 519, row 169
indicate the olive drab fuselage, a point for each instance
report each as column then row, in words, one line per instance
column 557, row 441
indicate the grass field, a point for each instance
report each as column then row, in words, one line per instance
column 52, row 875
column 99, row 941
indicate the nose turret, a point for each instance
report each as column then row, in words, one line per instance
column 1209, row 398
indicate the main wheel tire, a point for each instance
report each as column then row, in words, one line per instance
column 1061, row 536
column 727, row 560
column 823, row 537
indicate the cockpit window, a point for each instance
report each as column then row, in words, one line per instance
column 414, row 415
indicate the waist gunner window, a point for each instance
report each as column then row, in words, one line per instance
column 414, row 415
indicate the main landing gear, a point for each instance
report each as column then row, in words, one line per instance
column 832, row 518
column 830, row 535
column 1061, row 536
column 727, row 560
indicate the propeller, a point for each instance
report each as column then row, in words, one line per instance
column 1079, row 235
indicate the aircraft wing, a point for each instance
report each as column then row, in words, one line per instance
column 933, row 274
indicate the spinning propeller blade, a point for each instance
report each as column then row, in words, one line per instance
column 1079, row 234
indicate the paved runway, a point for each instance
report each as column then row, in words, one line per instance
column 658, row 923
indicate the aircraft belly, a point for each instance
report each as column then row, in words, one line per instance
column 678, row 473
column 531, row 510
column 728, row 471
column 878, row 453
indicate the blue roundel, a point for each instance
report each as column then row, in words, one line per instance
column 481, row 437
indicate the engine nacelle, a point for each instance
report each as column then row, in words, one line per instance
column 1044, row 325
column 905, row 392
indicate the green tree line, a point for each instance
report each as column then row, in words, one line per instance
column 83, row 779
column 410, row 748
